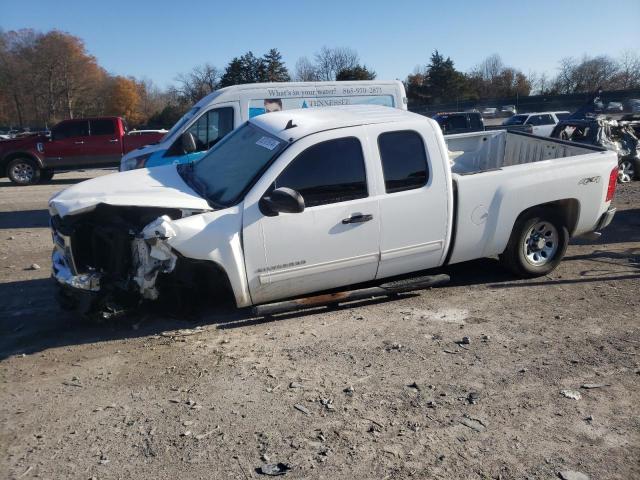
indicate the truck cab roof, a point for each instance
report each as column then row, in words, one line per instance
column 306, row 121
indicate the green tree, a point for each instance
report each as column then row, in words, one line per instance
column 359, row 72
column 444, row 83
column 245, row 69
column 438, row 82
column 273, row 68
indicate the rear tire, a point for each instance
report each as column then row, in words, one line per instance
column 23, row 171
column 538, row 242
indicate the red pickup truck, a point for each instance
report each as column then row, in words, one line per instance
column 79, row 143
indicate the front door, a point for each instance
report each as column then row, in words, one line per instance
column 334, row 241
column 104, row 145
column 67, row 144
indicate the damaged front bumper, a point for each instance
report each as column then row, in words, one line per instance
column 152, row 255
column 61, row 271
column 88, row 288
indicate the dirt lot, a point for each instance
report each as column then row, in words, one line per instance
column 377, row 389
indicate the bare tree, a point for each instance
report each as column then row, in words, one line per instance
column 199, row 82
column 152, row 99
column 330, row 61
column 305, row 71
column 587, row 74
column 490, row 68
column 628, row 70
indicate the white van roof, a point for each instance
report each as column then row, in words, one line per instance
column 284, row 89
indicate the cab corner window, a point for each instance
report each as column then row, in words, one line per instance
column 329, row 172
column 404, row 160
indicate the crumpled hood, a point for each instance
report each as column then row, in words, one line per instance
column 146, row 187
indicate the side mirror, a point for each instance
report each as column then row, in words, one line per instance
column 188, row 142
column 281, row 200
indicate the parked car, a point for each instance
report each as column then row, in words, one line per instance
column 633, row 105
column 490, row 112
column 617, row 136
column 302, row 201
column 614, row 107
column 541, row 122
column 77, row 143
column 223, row 110
column 464, row 122
column 508, row 110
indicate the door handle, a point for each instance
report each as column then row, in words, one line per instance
column 115, row 140
column 79, row 143
column 357, row 219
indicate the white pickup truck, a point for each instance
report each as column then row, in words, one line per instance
column 305, row 201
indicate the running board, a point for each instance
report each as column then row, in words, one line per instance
column 386, row 289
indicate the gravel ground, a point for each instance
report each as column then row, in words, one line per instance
column 376, row 389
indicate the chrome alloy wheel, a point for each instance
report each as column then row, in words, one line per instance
column 23, row 172
column 626, row 172
column 540, row 244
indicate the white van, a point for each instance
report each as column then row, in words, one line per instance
column 223, row 110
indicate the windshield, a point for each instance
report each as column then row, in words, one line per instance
column 180, row 123
column 230, row 167
column 515, row 120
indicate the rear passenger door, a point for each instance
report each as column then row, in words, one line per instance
column 104, row 145
column 414, row 208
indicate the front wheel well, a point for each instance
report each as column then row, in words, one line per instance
column 195, row 283
column 12, row 156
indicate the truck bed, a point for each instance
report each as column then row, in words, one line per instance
column 499, row 174
column 479, row 152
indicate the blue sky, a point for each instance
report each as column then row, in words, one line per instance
column 159, row 39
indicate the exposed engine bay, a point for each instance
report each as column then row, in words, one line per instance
column 114, row 258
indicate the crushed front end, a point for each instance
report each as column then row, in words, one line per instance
column 108, row 260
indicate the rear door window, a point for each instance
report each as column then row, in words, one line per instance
column 328, row 172
column 546, row 119
column 404, row 160
column 534, row 120
column 102, row 127
column 71, row 129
